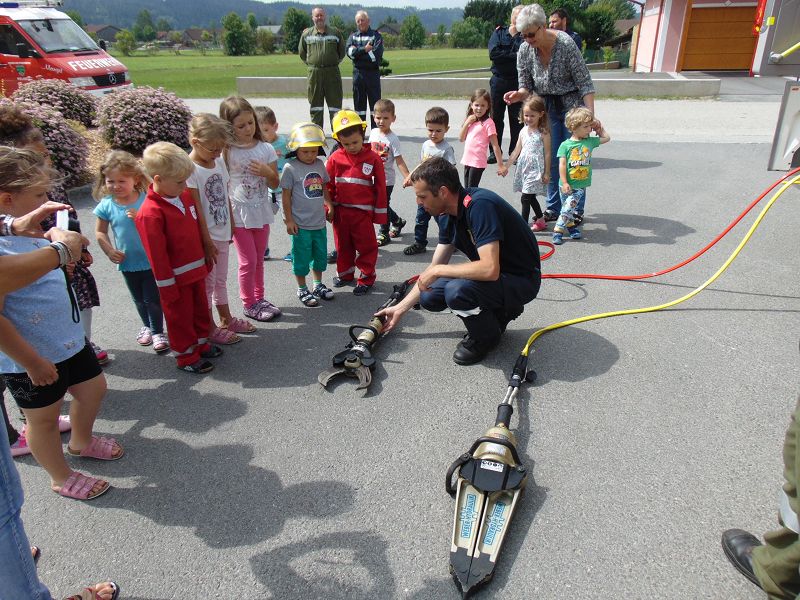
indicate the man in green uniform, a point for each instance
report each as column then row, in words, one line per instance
column 322, row 49
column 773, row 565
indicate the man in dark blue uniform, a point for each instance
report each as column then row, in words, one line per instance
column 559, row 19
column 503, row 46
column 365, row 49
column 502, row 274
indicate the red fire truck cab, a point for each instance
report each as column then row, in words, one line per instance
column 39, row 42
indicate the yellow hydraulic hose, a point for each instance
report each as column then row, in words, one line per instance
column 635, row 311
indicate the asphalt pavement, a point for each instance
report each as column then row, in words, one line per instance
column 646, row 436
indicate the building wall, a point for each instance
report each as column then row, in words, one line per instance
column 662, row 32
column 647, row 35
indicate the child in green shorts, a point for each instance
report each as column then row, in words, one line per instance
column 305, row 203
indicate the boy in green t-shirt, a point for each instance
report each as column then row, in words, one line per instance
column 575, row 167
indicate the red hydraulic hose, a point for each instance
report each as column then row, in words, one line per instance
column 674, row 267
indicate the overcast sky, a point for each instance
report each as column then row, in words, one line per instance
column 395, row 3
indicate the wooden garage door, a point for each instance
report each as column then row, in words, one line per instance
column 720, row 39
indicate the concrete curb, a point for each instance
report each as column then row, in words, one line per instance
column 674, row 85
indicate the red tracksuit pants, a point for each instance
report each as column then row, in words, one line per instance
column 354, row 236
column 188, row 322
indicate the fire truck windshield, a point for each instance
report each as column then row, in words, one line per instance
column 58, row 35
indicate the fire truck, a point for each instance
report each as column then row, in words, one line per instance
column 37, row 41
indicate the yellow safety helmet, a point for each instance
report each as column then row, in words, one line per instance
column 344, row 119
column 306, row 135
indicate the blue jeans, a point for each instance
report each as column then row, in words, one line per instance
column 421, row 226
column 143, row 289
column 569, row 206
column 558, row 133
column 18, row 577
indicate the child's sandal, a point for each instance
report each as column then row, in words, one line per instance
column 414, row 248
column 307, row 298
column 237, row 325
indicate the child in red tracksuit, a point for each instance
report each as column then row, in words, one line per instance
column 358, row 190
column 170, row 231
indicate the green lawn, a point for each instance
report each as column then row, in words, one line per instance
column 191, row 75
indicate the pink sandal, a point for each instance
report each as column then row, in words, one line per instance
column 91, row 593
column 101, row 448
column 79, row 487
column 240, row 326
column 224, row 337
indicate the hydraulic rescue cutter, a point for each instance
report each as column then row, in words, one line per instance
column 356, row 359
column 491, row 478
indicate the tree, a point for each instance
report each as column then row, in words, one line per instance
column 338, row 24
column 176, row 37
column 412, row 33
column 391, row 41
column 252, row 21
column 494, row 12
column 441, row 35
column 294, row 22
column 76, row 16
column 144, row 29
column 470, row 33
column 621, row 9
column 163, row 25
column 205, row 41
column 238, row 39
column 125, row 42
column 265, row 41
column 598, row 25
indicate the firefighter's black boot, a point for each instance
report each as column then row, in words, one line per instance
column 483, row 334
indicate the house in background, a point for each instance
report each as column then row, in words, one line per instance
column 388, row 29
column 104, row 32
column 701, row 35
column 276, row 30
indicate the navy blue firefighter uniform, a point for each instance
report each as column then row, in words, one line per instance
column 503, row 54
column 366, row 70
column 486, row 307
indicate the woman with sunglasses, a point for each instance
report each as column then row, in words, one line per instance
column 551, row 65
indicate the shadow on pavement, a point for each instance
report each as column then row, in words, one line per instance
column 568, row 355
column 609, row 229
column 350, row 565
column 617, row 163
column 216, row 492
column 166, row 404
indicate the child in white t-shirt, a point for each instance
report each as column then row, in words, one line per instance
column 253, row 167
column 386, row 144
column 208, row 184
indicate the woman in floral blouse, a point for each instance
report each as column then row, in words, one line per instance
column 551, row 65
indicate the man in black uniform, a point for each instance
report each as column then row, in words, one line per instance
column 502, row 275
column 365, row 49
column 503, row 46
column 559, row 19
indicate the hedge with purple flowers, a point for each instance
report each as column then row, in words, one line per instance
column 133, row 119
column 72, row 102
column 64, row 140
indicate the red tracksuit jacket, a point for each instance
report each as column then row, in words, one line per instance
column 171, row 239
column 359, row 181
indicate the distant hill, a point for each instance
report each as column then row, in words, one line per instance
column 183, row 14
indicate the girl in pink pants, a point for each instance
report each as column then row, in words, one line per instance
column 253, row 168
